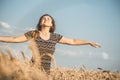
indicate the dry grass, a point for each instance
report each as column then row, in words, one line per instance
column 82, row 74
column 13, row 68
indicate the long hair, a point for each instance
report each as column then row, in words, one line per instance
column 53, row 27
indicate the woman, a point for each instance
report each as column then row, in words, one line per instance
column 45, row 40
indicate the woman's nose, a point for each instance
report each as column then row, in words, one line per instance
column 48, row 18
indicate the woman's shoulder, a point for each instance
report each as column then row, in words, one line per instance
column 56, row 35
column 32, row 33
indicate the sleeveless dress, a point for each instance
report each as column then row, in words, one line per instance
column 45, row 47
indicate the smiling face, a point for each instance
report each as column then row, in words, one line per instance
column 46, row 21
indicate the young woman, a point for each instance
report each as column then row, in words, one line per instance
column 46, row 39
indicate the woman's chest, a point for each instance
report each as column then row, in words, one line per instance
column 45, row 43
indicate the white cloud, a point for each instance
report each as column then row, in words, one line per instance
column 4, row 25
column 31, row 29
column 105, row 56
column 70, row 53
column 9, row 29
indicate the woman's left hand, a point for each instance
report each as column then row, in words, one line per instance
column 96, row 45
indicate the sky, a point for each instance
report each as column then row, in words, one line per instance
column 92, row 20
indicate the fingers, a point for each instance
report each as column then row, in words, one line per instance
column 99, row 45
column 96, row 45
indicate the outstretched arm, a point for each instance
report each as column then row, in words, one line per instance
column 78, row 42
column 10, row 39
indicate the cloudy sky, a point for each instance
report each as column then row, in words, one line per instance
column 93, row 20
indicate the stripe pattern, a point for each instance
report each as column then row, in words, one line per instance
column 45, row 47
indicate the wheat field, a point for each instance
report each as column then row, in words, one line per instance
column 13, row 68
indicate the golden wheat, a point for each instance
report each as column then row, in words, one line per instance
column 13, row 68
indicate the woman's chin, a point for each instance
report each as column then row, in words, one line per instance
column 45, row 25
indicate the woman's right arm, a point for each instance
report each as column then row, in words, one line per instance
column 9, row 39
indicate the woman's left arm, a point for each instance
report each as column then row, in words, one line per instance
column 78, row 42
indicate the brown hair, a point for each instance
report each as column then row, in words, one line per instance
column 53, row 27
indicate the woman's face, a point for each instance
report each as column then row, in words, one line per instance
column 46, row 21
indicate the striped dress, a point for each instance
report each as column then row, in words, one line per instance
column 45, row 47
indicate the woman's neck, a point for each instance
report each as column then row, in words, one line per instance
column 44, row 33
column 45, row 30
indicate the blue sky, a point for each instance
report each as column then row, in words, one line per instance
column 93, row 20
